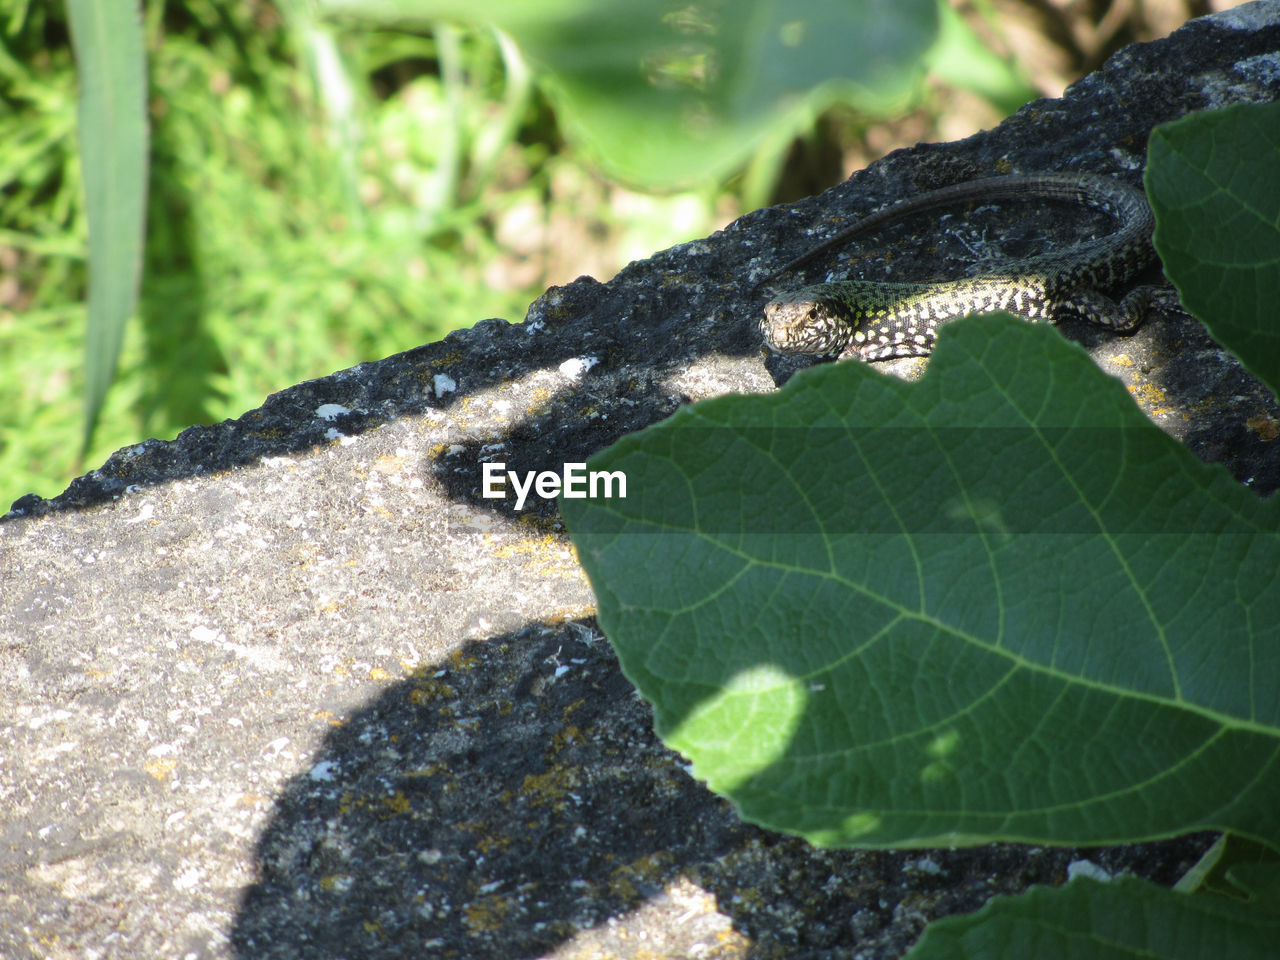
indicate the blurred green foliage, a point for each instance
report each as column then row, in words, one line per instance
column 276, row 251
column 670, row 94
column 326, row 191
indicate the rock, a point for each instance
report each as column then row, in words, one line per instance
column 290, row 686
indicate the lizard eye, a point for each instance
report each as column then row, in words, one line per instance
column 813, row 313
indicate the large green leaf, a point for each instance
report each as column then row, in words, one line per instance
column 1086, row 920
column 668, row 95
column 993, row 604
column 107, row 35
column 1213, row 185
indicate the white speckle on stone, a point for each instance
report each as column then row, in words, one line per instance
column 444, row 384
column 337, row 883
column 54, row 716
column 575, row 367
column 1087, row 868
column 144, row 514
column 925, row 865
column 203, row 634
column 322, row 771
column 188, row 879
column 330, row 411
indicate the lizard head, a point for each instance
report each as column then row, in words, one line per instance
column 805, row 322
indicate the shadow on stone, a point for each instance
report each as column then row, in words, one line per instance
column 491, row 806
column 634, row 331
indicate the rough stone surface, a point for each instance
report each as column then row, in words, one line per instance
column 289, row 687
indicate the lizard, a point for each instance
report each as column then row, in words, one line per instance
column 879, row 320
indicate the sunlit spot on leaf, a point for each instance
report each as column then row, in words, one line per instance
column 754, row 715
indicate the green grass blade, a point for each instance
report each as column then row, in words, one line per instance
column 107, row 37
